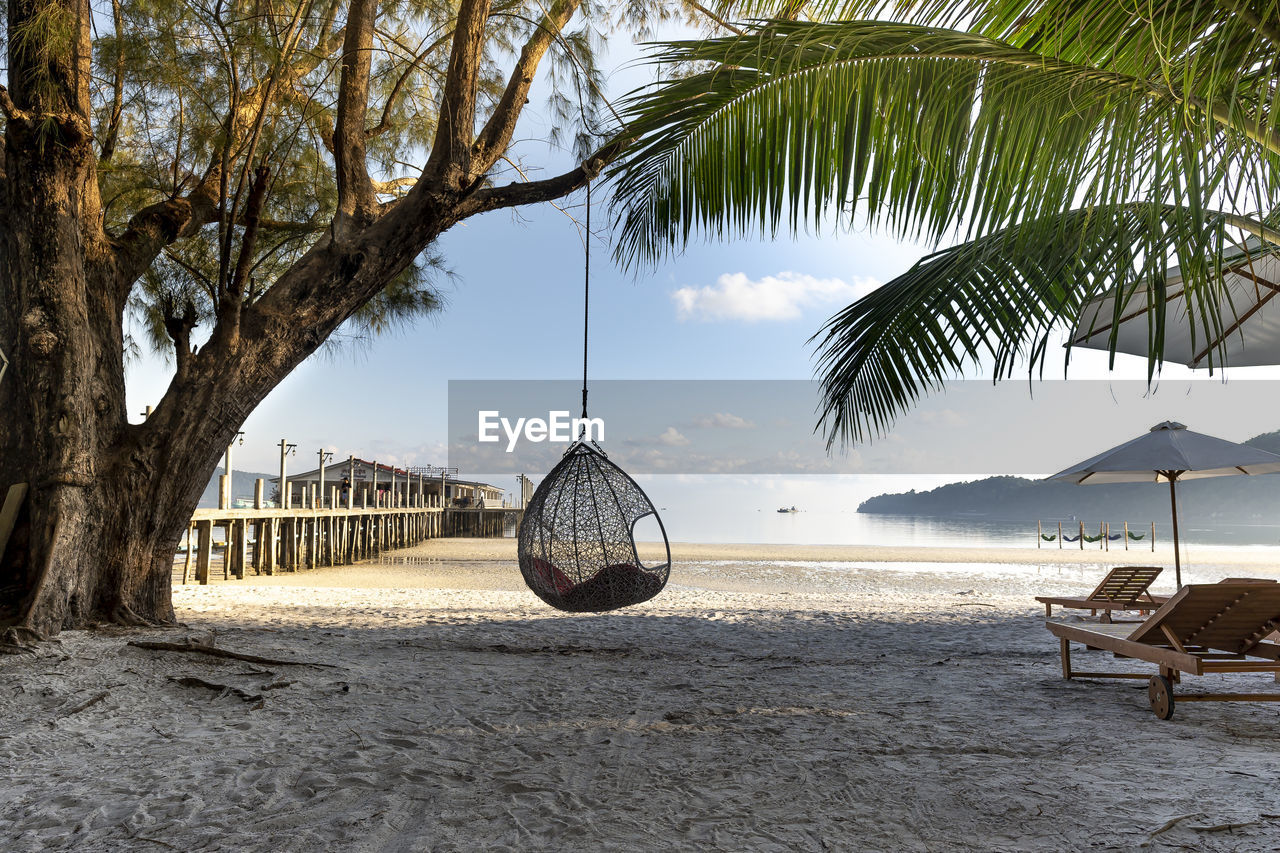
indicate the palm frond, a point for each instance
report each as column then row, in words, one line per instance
column 1098, row 32
column 918, row 129
column 1005, row 297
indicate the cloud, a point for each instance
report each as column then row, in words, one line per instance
column 943, row 417
column 781, row 297
column 723, row 420
column 673, row 438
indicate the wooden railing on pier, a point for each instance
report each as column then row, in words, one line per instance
column 267, row 541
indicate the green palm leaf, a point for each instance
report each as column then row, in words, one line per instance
column 1071, row 159
column 1005, row 298
column 914, row 128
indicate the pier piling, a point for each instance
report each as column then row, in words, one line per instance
column 228, row 543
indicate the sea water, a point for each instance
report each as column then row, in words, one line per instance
column 731, row 509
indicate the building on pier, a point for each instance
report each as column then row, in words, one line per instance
column 376, row 484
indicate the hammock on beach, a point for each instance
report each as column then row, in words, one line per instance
column 1114, row 536
column 1137, row 536
column 1089, row 538
column 1066, row 538
column 1048, row 537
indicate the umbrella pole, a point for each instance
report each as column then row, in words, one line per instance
column 1173, row 501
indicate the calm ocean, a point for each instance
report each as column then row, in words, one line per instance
column 728, row 509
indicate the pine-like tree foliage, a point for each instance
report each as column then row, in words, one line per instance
column 1071, row 149
column 186, row 86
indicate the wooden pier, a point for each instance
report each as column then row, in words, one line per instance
column 266, row 541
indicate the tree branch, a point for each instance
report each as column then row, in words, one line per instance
column 117, row 88
column 716, row 18
column 233, row 297
column 158, row 225
column 498, row 130
column 532, row 192
column 415, row 63
column 179, row 320
column 394, row 186
column 356, row 200
column 10, row 109
column 248, row 154
column 451, row 150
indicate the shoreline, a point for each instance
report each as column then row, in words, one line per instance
column 505, row 549
column 1010, row 575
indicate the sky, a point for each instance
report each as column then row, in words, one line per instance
column 737, row 309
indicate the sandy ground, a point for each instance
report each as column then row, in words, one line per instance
column 770, row 699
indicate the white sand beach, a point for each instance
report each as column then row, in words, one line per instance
column 772, row 698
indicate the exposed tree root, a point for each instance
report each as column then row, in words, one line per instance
column 222, row 689
column 124, row 615
column 190, row 647
column 122, row 621
column 18, row 640
column 87, row 704
column 1170, row 824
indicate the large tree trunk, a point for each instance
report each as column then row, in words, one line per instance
column 107, row 501
column 91, row 537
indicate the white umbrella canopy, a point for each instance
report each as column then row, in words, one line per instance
column 1247, row 304
column 1170, row 452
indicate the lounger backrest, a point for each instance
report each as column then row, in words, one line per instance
column 1125, row 583
column 1229, row 617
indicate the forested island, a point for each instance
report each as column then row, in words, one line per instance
column 1242, row 500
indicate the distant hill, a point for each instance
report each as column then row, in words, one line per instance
column 242, row 483
column 1237, row 500
column 1269, row 441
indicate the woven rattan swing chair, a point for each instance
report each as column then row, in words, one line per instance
column 577, row 537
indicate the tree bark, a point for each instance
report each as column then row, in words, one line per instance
column 63, row 396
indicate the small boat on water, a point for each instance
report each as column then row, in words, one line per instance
column 788, row 509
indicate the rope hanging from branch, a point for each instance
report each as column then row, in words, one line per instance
column 577, row 545
column 586, row 302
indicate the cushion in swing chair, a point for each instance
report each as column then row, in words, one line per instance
column 577, row 547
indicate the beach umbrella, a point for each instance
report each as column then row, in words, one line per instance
column 1169, row 452
column 1246, row 303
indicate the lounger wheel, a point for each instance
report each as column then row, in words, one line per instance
column 1160, row 692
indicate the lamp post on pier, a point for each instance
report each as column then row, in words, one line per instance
column 325, row 456
column 285, row 449
column 224, row 493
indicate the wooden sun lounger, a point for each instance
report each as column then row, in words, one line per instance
column 1203, row 628
column 1124, row 588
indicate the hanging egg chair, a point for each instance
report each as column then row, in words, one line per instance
column 577, row 538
